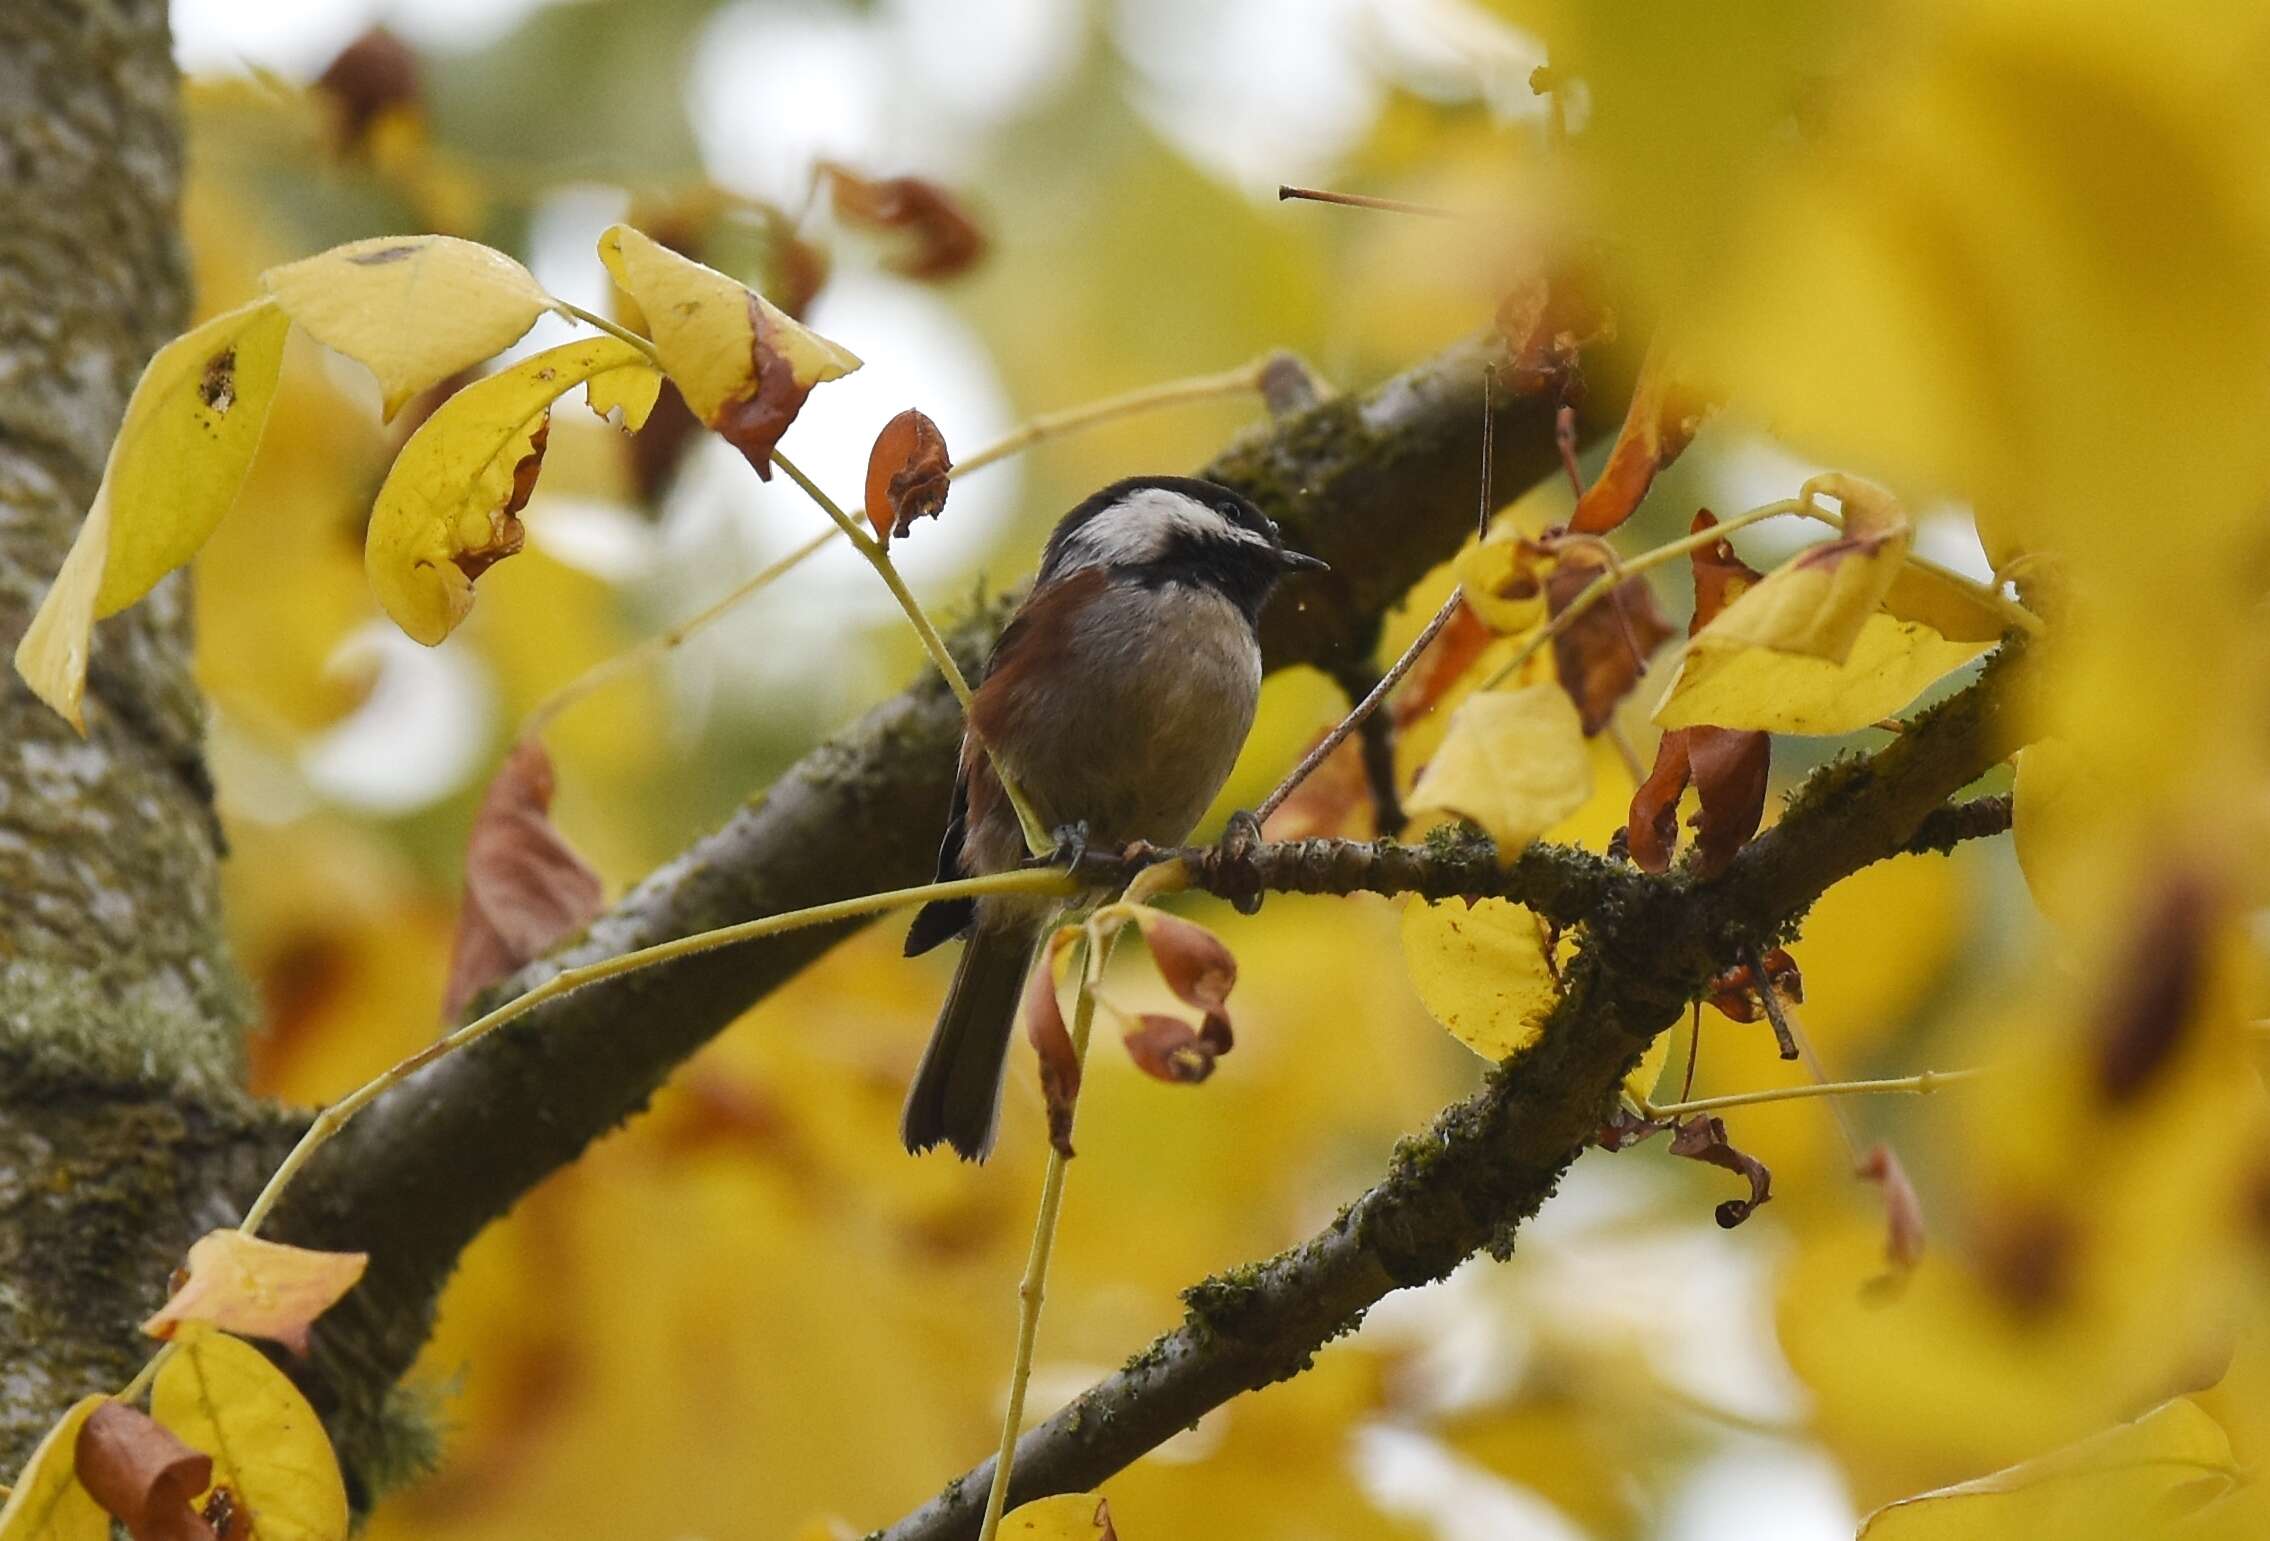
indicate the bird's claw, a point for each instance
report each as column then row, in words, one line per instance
column 1235, row 879
column 1071, row 846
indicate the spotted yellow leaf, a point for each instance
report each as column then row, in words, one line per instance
column 1514, row 762
column 1481, row 970
column 47, row 1502
column 625, row 396
column 414, row 309
column 450, row 506
column 222, row 1396
column 744, row 365
column 1816, row 603
column 2133, row 1480
column 179, row 460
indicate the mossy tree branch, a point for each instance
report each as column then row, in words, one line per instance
column 1488, row 1163
column 1382, row 484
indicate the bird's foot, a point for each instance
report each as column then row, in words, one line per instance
column 1234, row 876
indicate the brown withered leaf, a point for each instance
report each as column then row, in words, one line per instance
column 906, row 474
column 374, row 73
column 754, row 423
column 946, row 241
column 525, row 887
column 1170, row 1049
column 1903, row 1211
column 138, row 1471
column 1052, row 1041
column 1445, row 662
column 224, row 1516
column 1603, row 653
column 1195, row 963
column 2144, row 1020
column 1660, row 423
column 1703, row 1138
column 1734, row 994
column 256, row 1288
column 1721, row 577
column 1728, row 770
column 1333, row 801
column 1547, row 321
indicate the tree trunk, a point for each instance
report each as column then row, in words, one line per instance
column 123, row 1127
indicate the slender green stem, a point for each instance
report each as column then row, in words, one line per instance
column 1033, row 1287
column 662, row 642
column 328, row 1123
column 1037, row 837
column 1599, row 587
column 1230, row 382
column 1921, row 1084
column 614, row 329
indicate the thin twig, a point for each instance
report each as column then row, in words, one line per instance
column 1032, row 1289
column 1777, row 1012
column 1047, row 425
column 1922, row 1084
column 1364, row 201
column 332, row 1119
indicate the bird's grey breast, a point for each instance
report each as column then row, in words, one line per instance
column 1160, row 687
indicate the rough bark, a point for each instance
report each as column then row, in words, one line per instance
column 122, row 1132
column 1383, row 484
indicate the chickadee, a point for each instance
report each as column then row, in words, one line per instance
column 1117, row 698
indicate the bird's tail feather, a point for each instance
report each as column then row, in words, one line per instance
column 956, row 1096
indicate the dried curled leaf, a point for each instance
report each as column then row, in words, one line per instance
column 525, row 887
column 1503, row 581
column 1703, row 1138
column 140, row 1472
column 1728, row 770
column 179, row 460
column 450, row 506
column 48, row 1503
column 1514, row 762
column 1052, row 1042
column 1603, row 653
column 743, row 365
column 222, row 1395
column 261, row 1289
column 1659, row 424
column 1734, row 994
column 413, row 309
column 1169, row 1049
column 946, row 240
column 906, row 474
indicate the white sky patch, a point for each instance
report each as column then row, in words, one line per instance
column 297, row 38
column 1414, row 1476
column 420, row 734
column 1761, row 1491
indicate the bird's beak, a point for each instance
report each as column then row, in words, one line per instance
column 1302, row 562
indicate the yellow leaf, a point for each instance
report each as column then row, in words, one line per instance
column 1815, row 604
column 263, row 1289
column 1954, row 610
column 1641, row 1079
column 1890, row 664
column 1481, row 971
column 723, row 344
column 2051, row 796
column 1066, row 1517
column 2129, row 1481
column 630, row 391
column 1504, row 583
column 180, row 457
column 1514, row 762
column 47, row 1503
column 221, row 1395
column 415, row 309
column 449, row 505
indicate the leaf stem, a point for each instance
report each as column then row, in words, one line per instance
column 614, row 328
column 1038, row 840
column 1047, row 425
column 1363, row 201
column 328, row 1123
column 1921, row 1084
column 1033, row 1287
